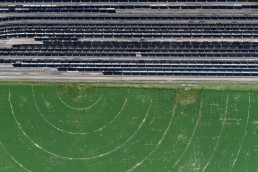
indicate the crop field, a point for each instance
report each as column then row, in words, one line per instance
column 87, row 127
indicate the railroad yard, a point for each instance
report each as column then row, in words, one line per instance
column 139, row 39
column 128, row 85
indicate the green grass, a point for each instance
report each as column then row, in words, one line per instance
column 122, row 127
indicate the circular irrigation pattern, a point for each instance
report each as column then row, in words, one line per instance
column 127, row 129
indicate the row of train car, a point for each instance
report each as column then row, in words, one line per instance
column 132, row 37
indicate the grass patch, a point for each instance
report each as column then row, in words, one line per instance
column 119, row 126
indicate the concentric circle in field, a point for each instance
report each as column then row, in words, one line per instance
column 87, row 128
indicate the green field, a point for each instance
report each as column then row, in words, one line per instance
column 131, row 127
